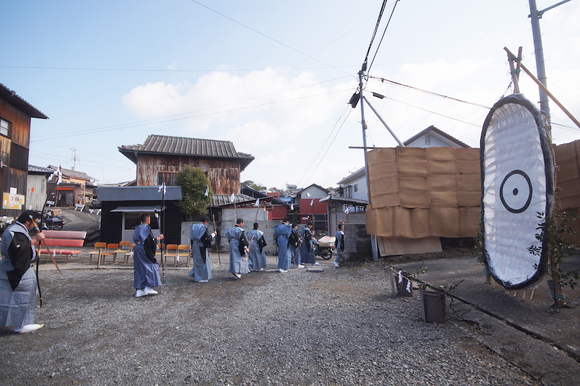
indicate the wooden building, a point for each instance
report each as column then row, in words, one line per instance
column 160, row 158
column 75, row 188
column 15, row 118
column 158, row 161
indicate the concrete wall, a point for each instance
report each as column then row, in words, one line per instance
column 357, row 243
column 228, row 220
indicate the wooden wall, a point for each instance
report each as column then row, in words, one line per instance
column 223, row 175
column 14, row 153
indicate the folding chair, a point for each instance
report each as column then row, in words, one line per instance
column 110, row 251
column 171, row 251
column 125, row 249
column 99, row 248
column 184, row 250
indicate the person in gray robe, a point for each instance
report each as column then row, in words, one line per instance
column 201, row 240
column 338, row 244
column 307, row 247
column 294, row 244
column 238, row 249
column 256, row 254
column 145, row 265
column 17, row 278
column 282, row 233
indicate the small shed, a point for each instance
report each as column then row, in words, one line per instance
column 122, row 206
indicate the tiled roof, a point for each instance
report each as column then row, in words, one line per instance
column 211, row 148
column 39, row 169
column 224, row 199
column 21, row 104
column 72, row 173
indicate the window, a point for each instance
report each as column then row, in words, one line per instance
column 132, row 220
column 348, row 191
column 356, row 187
column 168, row 178
column 427, row 139
column 4, row 127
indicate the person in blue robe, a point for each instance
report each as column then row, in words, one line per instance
column 282, row 233
column 307, row 247
column 145, row 265
column 238, row 249
column 256, row 254
column 201, row 240
column 338, row 243
column 294, row 243
column 17, row 278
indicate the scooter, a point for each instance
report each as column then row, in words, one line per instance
column 323, row 250
column 52, row 222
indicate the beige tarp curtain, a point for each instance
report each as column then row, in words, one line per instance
column 422, row 192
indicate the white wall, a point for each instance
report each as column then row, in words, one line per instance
column 35, row 200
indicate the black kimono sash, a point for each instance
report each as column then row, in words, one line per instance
column 150, row 248
column 243, row 244
column 20, row 254
column 262, row 243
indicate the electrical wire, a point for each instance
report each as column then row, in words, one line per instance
column 432, row 112
column 349, row 110
column 384, row 32
column 428, row 92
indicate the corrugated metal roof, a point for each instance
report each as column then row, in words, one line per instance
column 21, row 104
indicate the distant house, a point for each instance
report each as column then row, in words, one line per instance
column 37, row 186
column 349, row 202
column 433, row 137
column 277, row 209
column 158, row 161
column 15, row 118
column 75, row 188
column 311, row 209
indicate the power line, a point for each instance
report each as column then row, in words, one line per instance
column 384, row 32
column 174, row 119
column 345, row 113
column 264, row 35
column 428, row 92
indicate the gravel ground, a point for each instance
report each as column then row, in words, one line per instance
column 337, row 327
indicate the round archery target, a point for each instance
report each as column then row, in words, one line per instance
column 515, row 191
column 517, row 185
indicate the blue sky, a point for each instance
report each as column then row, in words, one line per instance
column 272, row 77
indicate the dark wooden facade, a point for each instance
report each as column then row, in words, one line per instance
column 223, row 174
column 111, row 222
column 15, row 145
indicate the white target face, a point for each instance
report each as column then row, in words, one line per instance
column 516, row 186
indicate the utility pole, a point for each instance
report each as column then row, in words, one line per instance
column 364, row 135
column 535, row 16
column 75, row 159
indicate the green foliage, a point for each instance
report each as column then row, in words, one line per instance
column 254, row 185
column 553, row 231
column 193, row 182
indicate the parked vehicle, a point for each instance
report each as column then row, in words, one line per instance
column 52, row 222
column 324, row 247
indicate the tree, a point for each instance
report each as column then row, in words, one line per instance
column 194, row 183
column 254, row 185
